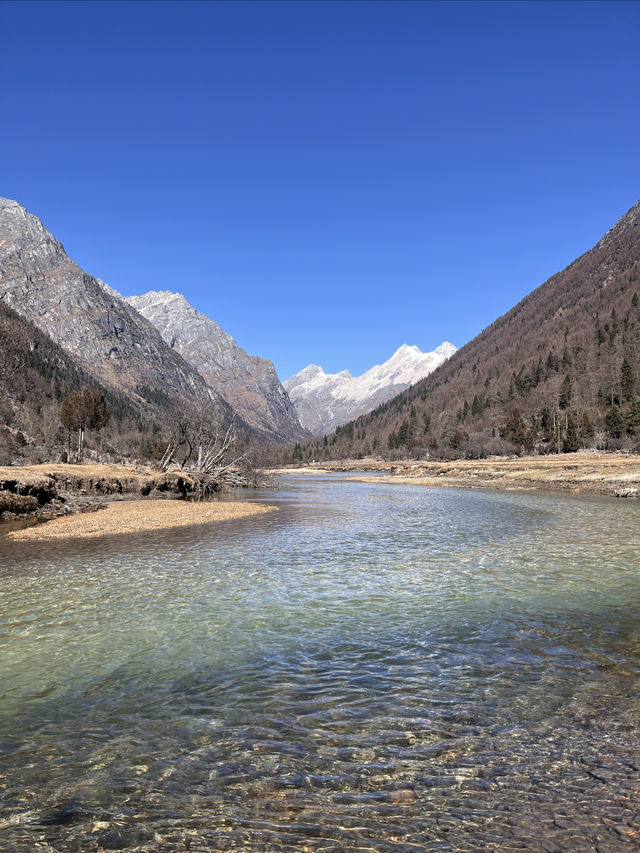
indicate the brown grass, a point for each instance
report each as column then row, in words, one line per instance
column 599, row 473
column 134, row 516
column 85, row 469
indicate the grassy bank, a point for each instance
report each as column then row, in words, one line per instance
column 49, row 490
column 614, row 474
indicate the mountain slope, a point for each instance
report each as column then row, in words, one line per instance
column 248, row 383
column 559, row 370
column 327, row 400
column 35, row 375
column 106, row 336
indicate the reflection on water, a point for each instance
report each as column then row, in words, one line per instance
column 372, row 667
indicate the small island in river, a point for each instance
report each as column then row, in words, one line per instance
column 136, row 516
column 129, row 499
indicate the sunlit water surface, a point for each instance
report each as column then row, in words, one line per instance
column 371, row 667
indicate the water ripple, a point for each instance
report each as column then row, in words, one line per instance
column 372, row 667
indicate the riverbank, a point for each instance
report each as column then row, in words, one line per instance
column 613, row 474
column 135, row 516
column 50, row 490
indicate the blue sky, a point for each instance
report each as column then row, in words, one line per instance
column 325, row 180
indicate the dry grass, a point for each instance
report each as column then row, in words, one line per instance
column 85, row 469
column 598, row 473
column 134, row 516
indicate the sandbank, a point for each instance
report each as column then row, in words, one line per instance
column 134, row 516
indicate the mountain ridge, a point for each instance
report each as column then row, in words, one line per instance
column 121, row 348
column 327, row 400
column 105, row 335
column 558, row 371
column 248, row 383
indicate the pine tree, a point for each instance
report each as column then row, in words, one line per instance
column 626, row 380
column 633, row 417
column 564, row 400
column 614, row 421
column 586, row 427
column 404, row 433
column 571, row 441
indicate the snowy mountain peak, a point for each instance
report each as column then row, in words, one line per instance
column 327, row 400
column 311, row 371
column 446, row 348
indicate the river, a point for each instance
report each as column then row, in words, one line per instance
column 372, row 667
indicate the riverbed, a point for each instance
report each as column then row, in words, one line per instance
column 373, row 667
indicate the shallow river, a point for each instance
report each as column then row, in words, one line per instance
column 372, row 667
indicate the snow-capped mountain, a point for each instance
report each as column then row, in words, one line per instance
column 325, row 401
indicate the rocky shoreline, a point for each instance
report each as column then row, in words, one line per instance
column 51, row 490
column 606, row 474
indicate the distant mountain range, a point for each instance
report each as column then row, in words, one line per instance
column 151, row 362
column 325, row 401
column 559, row 371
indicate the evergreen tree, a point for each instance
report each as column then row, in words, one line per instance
column 547, row 425
column 404, row 433
column 633, row 417
column 626, row 380
column 586, row 427
column 614, row 421
column 571, row 441
column 514, row 428
column 564, row 400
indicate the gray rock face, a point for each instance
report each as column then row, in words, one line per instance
column 248, row 383
column 104, row 334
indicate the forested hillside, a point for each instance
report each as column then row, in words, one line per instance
column 35, row 376
column 558, row 372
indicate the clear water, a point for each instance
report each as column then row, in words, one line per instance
column 372, row 667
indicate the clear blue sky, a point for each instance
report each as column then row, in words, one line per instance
column 326, row 180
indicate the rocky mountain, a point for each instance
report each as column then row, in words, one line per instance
column 105, row 336
column 559, row 371
column 248, row 383
column 153, row 362
column 325, row 401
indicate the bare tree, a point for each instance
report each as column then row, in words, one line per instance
column 196, row 443
column 213, row 448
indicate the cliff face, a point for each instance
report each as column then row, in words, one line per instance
column 105, row 335
column 327, row 400
column 248, row 383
